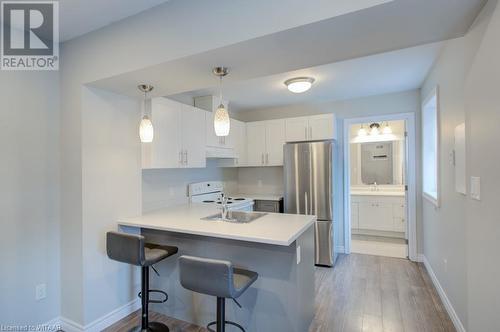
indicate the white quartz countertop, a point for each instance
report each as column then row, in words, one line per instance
column 260, row 197
column 376, row 193
column 273, row 228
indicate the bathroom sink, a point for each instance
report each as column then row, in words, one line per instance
column 236, row 217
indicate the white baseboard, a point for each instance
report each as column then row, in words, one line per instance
column 447, row 304
column 101, row 323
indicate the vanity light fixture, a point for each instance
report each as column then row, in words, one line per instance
column 222, row 123
column 299, row 84
column 146, row 130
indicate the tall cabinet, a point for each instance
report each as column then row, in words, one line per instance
column 179, row 136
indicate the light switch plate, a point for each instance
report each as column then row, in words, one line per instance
column 40, row 292
column 298, row 255
column 475, row 187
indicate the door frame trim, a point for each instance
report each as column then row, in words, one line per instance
column 410, row 177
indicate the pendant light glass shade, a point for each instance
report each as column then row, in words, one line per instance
column 146, row 130
column 222, row 123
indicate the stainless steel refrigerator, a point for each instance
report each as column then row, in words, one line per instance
column 308, row 175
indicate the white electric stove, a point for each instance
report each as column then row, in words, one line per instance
column 210, row 193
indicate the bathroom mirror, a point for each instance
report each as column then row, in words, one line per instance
column 377, row 162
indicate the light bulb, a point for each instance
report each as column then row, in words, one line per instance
column 387, row 130
column 362, row 132
column 146, row 131
column 374, row 131
column 221, row 121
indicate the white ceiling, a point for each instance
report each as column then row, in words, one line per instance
column 383, row 73
column 78, row 17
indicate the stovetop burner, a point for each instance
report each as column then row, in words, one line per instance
column 229, row 202
column 208, row 201
column 239, row 199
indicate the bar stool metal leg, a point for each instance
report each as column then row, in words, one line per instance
column 145, row 298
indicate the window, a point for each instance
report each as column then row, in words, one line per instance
column 430, row 147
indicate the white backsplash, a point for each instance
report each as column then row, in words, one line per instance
column 166, row 187
column 260, row 180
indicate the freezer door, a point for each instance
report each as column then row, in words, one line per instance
column 297, row 180
column 320, row 180
column 323, row 243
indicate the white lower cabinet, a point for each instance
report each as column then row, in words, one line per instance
column 179, row 136
column 265, row 140
column 378, row 213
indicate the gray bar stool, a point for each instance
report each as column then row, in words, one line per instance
column 217, row 278
column 132, row 249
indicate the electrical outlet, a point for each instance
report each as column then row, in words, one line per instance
column 298, row 255
column 445, row 264
column 40, row 292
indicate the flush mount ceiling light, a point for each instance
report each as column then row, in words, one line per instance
column 221, row 117
column 299, row 84
column 146, row 131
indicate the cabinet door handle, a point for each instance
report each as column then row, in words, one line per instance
column 267, row 158
column 180, row 157
column 186, row 160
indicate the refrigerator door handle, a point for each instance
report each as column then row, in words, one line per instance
column 306, row 210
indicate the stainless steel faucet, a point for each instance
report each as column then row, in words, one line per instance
column 224, row 207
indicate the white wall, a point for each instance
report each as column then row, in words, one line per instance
column 29, row 196
column 462, row 231
column 111, row 188
column 166, row 187
column 403, row 102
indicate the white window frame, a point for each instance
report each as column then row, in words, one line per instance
column 434, row 199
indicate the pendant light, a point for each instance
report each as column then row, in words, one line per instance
column 146, row 131
column 221, row 117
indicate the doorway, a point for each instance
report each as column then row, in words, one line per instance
column 379, row 186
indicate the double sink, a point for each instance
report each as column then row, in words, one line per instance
column 238, row 217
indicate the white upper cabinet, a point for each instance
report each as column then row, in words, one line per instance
column 256, row 143
column 193, row 136
column 238, row 140
column 310, row 128
column 275, row 139
column 322, row 127
column 297, row 129
column 265, row 141
column 179, row 136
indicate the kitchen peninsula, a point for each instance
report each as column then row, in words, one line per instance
column 279, row 247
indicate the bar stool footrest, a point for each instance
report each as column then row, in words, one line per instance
column 226, row 322
column 155, row 291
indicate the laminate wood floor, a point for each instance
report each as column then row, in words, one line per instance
column 362, row 293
